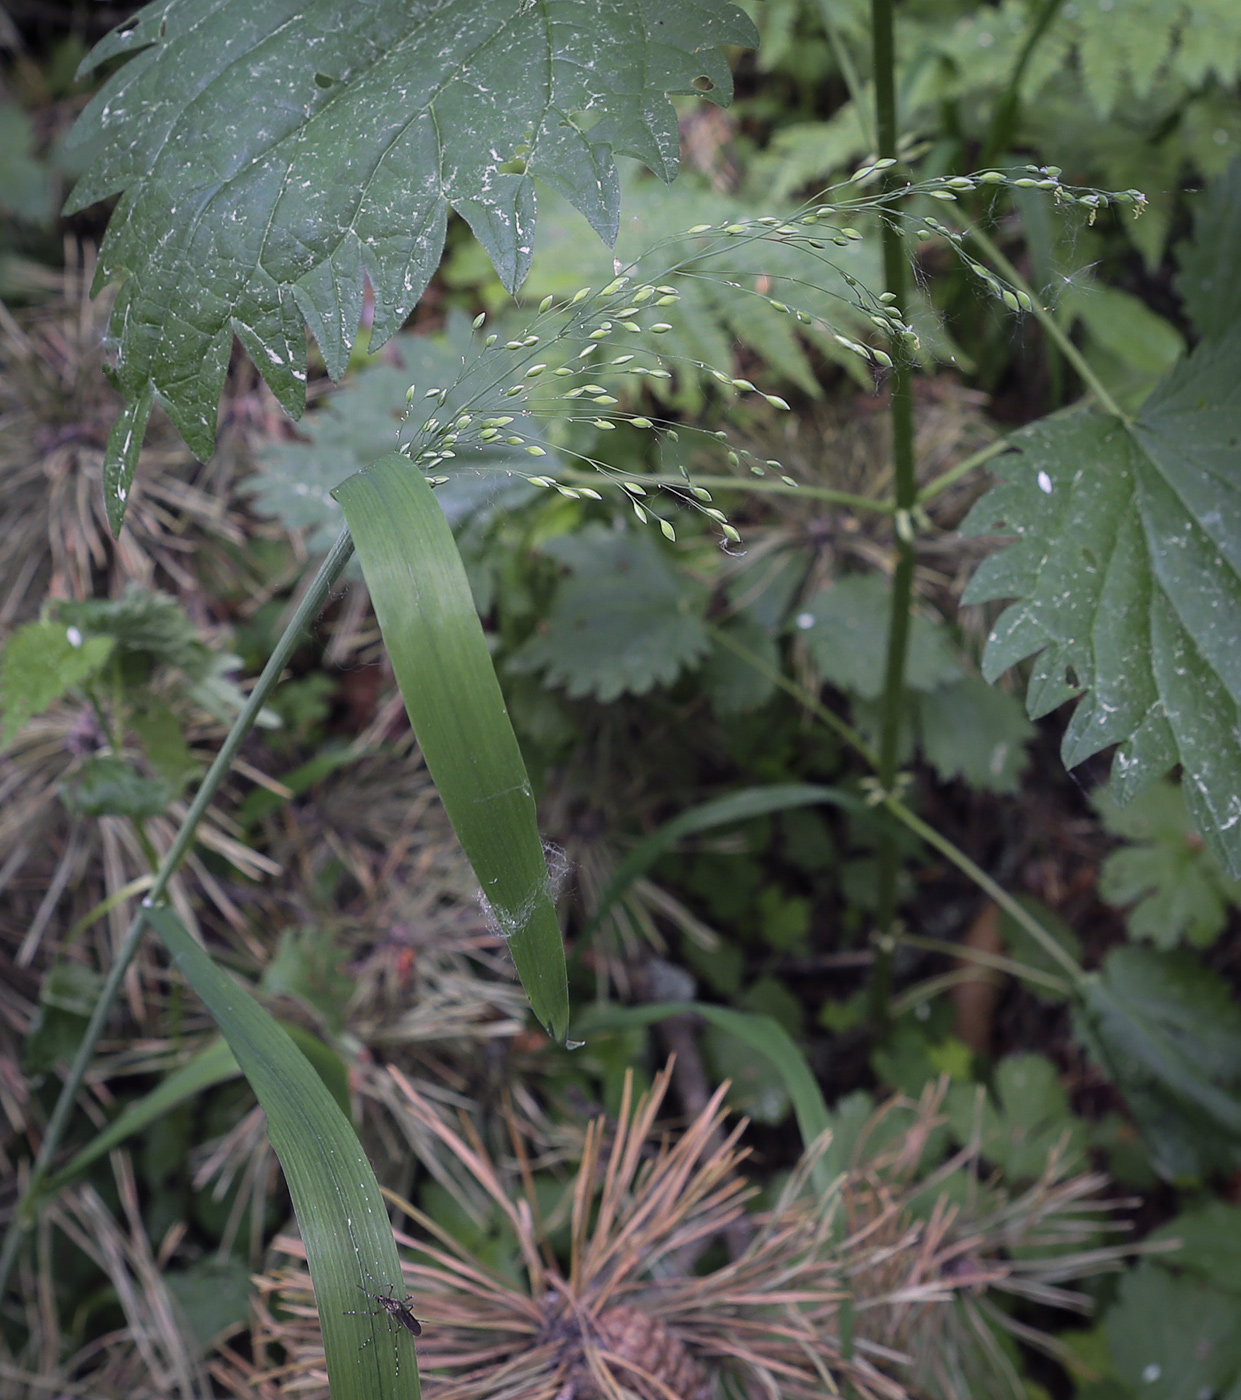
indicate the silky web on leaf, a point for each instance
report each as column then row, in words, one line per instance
column 506, row 924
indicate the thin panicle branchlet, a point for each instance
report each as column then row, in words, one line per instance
column 564, row 366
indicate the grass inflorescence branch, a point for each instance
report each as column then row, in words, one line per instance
column 587, row 359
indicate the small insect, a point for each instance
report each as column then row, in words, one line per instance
column 396, row 1310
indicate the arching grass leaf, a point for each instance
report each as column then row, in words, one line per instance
column 739, row 806
column 1168, row 1032
column 340, row 1212
column 214, row 1064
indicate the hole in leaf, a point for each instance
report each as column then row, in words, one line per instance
column 163, row 29
column 324, row 81
column 1070, row 676
column 703, row 84
column 516, row 166
column 1090, row 557
column 131, row 27
column 582, row 119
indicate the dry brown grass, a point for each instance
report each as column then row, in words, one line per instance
column 896, row 1260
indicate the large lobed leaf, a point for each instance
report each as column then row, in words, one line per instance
column 274, row 158
column 1127, row 572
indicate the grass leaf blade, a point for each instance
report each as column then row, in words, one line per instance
column 439, row 654
column 341, row 1214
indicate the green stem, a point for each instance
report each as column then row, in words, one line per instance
column 982, row 958
column 1050, row 325
column 883, row 48
column 988, row 886
column 982, row 456
column 892, row 702
column 139, row 885
column 962, row 468
column 903, row 815
column 116, row 729
column 306, row 612
column 148, row 848
column 782, row 682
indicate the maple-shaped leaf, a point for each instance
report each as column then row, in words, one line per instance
column 1175, row 886
column 1022, row 1122
column 1128, row 575
column 272, row 159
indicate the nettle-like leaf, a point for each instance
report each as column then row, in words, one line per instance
column 1128, row 575
column 272, row 159
column 845, row 630
column 965, row 728
column 106, row 786
column 973, row 731
column 40, row 663
column 26, row 189
column 1025, row 1119
column 622, row 622
column 1171, row 1339
column 1168, row 1032
column 1210, row 1243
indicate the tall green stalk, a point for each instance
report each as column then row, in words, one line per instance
column 1005, row 118
column 308, row 609
column 904, row 499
